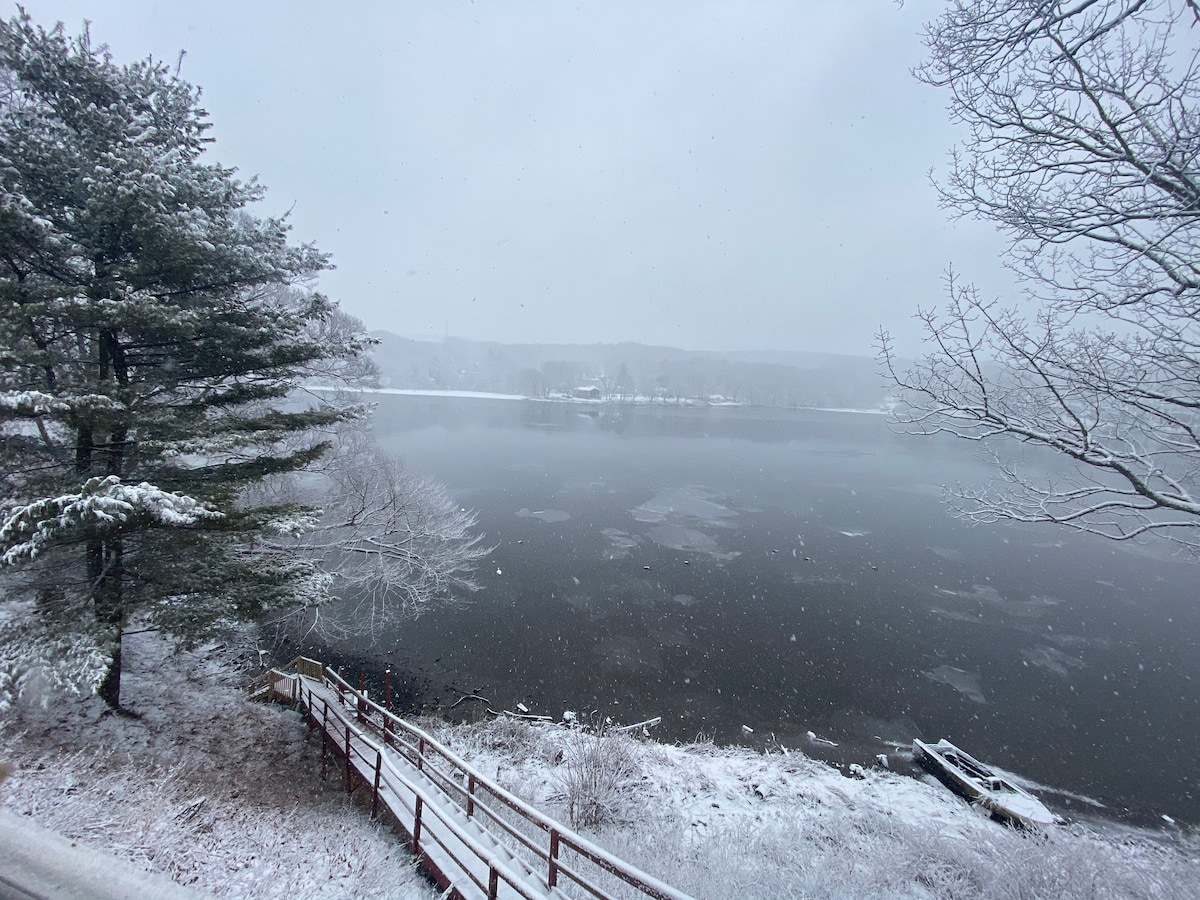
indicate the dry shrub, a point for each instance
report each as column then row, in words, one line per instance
column 598, row 777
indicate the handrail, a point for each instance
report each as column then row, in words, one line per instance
column 497, row 869
column 424, row 751
column 628, row 873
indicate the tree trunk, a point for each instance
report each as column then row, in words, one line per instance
column 110, row 687
column 108, row 600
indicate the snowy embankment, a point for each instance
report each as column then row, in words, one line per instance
column 226, row 795
column 734, row 823
column 219, row 793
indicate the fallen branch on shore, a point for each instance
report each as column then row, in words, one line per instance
column 529, row 717
column 649, row 723
column 470, row 697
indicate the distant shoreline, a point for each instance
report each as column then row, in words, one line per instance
column 641, row 401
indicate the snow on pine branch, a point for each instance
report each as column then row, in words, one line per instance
column 104, row 503
column 39, row 662
column 36, row 403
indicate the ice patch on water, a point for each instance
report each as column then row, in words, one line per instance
column 620, row 543
column 1051, row 659
column 677, row 537
column 949, row 553
column 1028, row 609
column 583, row 490
column 683, row 503
column 963, row 682
column 803, row 579
column 987, row 595
column 1074, row 640
column 956, row 616
column 545, row 515
column 854, row 533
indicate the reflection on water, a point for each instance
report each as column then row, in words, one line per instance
column 794, row 571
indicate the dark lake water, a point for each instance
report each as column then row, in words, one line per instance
column 795, row 571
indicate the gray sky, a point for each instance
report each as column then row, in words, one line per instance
column 730, row 175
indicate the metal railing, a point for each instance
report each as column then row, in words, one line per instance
column 365, row 728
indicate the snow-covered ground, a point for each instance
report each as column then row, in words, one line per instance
column 225, row 795
column 730, row 822
column 216, row 792
column 416, row 392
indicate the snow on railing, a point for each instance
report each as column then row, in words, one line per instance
column 543, row 841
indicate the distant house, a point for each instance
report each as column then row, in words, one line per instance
column 586, row 392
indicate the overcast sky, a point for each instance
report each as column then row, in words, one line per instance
column 725, row 176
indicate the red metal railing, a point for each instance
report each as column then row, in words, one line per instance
column 367, row 730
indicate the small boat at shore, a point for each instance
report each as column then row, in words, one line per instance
column 969, row 778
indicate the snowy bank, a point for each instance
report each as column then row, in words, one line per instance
column 416, row 392
column 217, row 793
column 729, row 822
column 640, row 400
column 225, row 795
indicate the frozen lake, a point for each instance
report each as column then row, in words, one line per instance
column 795, row 571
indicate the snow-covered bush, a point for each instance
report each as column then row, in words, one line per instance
column 598, row 777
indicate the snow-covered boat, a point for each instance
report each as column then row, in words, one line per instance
column 967, row 776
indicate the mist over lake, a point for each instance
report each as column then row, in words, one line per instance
column 795, row 571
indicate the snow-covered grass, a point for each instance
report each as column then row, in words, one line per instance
column 727, row 822
column 598, row 776
column 226, row 795
column 214, row 791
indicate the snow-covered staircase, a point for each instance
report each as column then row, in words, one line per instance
column 474, row 838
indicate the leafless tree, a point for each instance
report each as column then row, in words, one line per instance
column 1084, row 150
column 364, row 540
column 387, row 542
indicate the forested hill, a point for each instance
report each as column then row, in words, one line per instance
column 622, row 371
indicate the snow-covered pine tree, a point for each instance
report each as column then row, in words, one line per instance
column 144, row 360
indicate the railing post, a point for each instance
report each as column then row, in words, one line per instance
column 387, row 689
column 375, row 792
column 552, row 880
column 349, row 787
column 361, row 702
column 416, row 843
column 470, row 795
column 324, row 739
column 421, row 754
column 493, row 882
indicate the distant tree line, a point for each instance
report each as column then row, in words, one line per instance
column 624, row 372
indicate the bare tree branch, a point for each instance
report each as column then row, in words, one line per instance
column 1084, row 124
column 390, row 541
